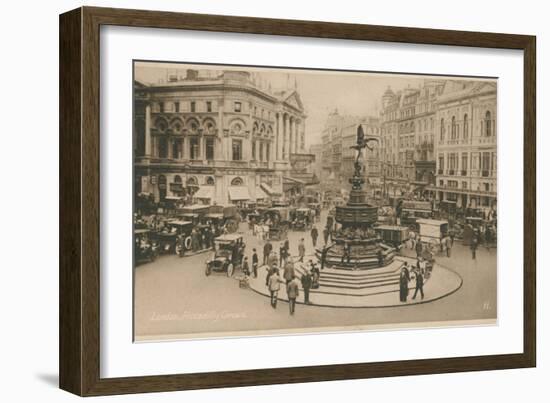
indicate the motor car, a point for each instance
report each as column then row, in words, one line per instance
column 228, row 255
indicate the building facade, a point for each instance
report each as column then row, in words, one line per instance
column 408, row 133
column 466, row 144
column 220, row 138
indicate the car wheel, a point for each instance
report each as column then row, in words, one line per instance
column 230, row 270
column 207, row 271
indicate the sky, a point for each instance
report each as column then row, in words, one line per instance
column 352, row 93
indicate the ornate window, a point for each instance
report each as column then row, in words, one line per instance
column 237, row 150
column 194, row 149
column 237, row 181
column 442, row 129
column 465, row 126
column 453, row 128
column 236, row 128
column 209, row 127
column 192, row 181
column 161, row 125
column 210, row 181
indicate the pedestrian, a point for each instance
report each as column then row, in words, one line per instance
column 448, row 245
column 473, row 247
column 274, row 285
column 282, row 254
column 404, row 278
column 292, row 292
column 254, row 263
column 422, row 265
column 418, row 248
column 324, row 252
column 246, row 267
column 315, row 275
column 267, row 250
column 452, row 236
column 314, row 235
column 380, row 257
column 419, row 284
column 289, row 272
column 307, row 282
column 325, row 234
column 273, row 259
column 347, row 252
column 301, row 250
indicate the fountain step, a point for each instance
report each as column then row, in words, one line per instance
column 365, row 277
column 387, row 289
column 357, row 285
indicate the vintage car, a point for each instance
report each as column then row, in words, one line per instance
column 432, row 232
column 303, row 219
column 145, row 249
column 174, row 231
column 226, row 216
column 228, row 255
column 393, row 235
column 278, row 220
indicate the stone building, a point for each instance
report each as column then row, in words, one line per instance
column 408, row 131
column 466, row 144
column 223, row 137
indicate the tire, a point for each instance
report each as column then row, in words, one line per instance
column 187, row 243
column 230, row 270
column 207, row 271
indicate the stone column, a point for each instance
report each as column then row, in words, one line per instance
column 185, row 148
column 285, row 137
column 148, row 130
column 169, row 146
column 293, row 136
column 279, row 137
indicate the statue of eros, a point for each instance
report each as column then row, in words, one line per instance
column 362, row 142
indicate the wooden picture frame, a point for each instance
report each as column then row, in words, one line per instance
column 79, row 279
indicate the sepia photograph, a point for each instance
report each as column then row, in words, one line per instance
column 271, row 200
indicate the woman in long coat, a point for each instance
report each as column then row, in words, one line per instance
column 404, row 279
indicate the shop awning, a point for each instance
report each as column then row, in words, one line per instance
column 238, row 193
column 269, row 190
column 260, row 194
column 204, row 192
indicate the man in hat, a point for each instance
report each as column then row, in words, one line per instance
column 306, row 281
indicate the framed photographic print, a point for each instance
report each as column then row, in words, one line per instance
column 249, row 201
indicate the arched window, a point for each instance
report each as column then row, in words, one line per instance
column 442, row 129
column 161, row 125
column 192, row 181
column 209, row 181
column 177, row 179
column 488, row 124
column 237, row 182
column 453, row 128
column 465, row 127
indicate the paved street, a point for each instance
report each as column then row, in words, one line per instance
column 174, row 298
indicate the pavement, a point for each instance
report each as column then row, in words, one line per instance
column 175, row 300
column 340, row 289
